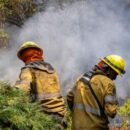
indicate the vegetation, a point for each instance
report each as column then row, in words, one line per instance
column 3, row 14
column 14, row 12
column 124, row 112
column 18, row 113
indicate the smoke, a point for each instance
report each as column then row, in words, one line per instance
column 74, row 38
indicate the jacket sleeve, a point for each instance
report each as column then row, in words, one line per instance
column 111, row 102
column 25, row 80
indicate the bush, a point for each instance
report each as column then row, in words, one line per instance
column 18, row 113
column 124, row 112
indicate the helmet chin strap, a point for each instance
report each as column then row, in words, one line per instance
column 106, row 70
column 111, row 73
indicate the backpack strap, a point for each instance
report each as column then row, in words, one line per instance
column 33, row 91
column 86, row 79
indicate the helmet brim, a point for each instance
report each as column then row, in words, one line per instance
column 115, row 69
column 20, row 51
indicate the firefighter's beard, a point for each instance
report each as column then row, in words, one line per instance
column 112, row 75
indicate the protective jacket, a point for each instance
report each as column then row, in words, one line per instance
column 41, row 81
column 86, row 114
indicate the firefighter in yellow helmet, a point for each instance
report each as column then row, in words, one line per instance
column 93, row 98
column 39, row 79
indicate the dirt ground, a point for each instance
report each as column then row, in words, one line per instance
column 118, row 128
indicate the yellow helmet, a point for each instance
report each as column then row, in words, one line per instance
column 116, row 62
column 26, row 45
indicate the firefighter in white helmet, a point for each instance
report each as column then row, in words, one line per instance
column 93, row 98
column 39, row 79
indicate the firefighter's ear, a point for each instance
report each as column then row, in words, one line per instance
column 106, row 69
column 105, row 66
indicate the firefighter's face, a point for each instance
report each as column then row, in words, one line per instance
column 113, row 74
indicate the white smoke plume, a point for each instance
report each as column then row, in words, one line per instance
column 73, row 39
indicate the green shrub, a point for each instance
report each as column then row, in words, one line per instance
column 18, row 113
column 124, row 112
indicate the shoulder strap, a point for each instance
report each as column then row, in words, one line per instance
column 33, row 91
column 86, row 79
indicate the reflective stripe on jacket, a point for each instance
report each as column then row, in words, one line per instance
column 41, row 80
column 85, row 110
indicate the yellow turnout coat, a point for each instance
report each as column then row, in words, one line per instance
column 41, row 81
column 85, row 110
